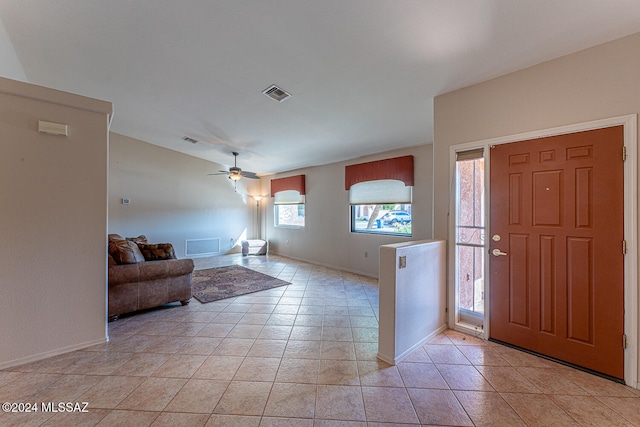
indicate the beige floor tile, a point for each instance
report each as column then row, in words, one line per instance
column 463, row 377
column 257, row 369
column 216, row 330
column 75, row 419
column 286, row 422
column 379, row 374
column 390, row 405
column 233, row 421
column 306, row 333
column 520, row 358
column 291, row 400
column 267, row 348
column 507, row 379
column 335, row 423
column 244, row 398
column 551, row 381
column 122, row 418
column 303, row 349
column 335, row 333
column 335, row 402
column 29, row 384
column 488, row 408
column 304, row 371
column 200, row 345
column 438, row 407
column 171, row 419
column 538, row 410
column 219, row 368
column 628, row 407
column 308, row 320
column 198, row 396
column 281, row 319
column 180, row 366
column 337, row 350
column 245, row 331
column 252, row 318
column 167, row 345
column 153, row 394
column 446, row 354
column 66, row 389
column 233, row 347
column 483, row 355
column 597, row 386
column 421, row 375
column 342, row 372
column 142, row 364
column 365, row 334
column 109, row 392
column 275, row 332
column 366, row 351
column 589, row 411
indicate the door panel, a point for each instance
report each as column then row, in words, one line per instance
column 557, row 282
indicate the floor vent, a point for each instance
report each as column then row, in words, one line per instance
column 202, row 247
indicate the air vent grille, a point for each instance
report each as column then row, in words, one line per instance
column 191, row 140
column 276, row 93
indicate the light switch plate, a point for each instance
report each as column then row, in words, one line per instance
column 402, row 261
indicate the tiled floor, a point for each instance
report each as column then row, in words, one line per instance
column 303, row 355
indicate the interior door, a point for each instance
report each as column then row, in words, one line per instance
column 556, row 247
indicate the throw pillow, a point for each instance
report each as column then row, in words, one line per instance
column 125, row 252
column 158, row 251
column 140, row 239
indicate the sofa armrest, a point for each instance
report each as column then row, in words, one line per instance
column 124, row 273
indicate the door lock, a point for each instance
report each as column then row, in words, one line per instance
column 498, row 252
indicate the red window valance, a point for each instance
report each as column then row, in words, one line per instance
column 398, row 168
column 290, row 183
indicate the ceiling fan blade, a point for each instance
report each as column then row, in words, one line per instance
column 220, row 173
column 251, row 175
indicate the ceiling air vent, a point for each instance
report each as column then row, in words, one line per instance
column 191, row 140
column 274, row 92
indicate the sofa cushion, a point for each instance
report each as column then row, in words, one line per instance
column 115, row 237
column 125, row 252
column 158, row 251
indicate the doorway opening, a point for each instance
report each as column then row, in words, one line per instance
column 470, row 238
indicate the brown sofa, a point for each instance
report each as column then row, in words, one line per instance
column 143, row 275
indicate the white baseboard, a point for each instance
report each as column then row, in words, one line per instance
column 51, row 353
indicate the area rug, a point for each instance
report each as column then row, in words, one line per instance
column 219, row 283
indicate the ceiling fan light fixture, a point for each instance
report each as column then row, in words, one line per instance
column 235, row 176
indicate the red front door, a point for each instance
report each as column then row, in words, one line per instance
column 556, row 258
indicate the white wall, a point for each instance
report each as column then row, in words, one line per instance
column 326, row 238
column 173, row 198
column 597, row 83
column 53, row 221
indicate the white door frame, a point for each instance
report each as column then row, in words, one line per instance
column 631, row 291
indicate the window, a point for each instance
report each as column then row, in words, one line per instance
column 380, row 196
column 289, row 214
column 470, row 236
column 381, row 219
column 289, row 201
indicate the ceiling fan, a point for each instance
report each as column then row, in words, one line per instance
column 235, row 173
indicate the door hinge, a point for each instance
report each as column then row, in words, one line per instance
column 624, row 341
column 624, row 153
column 624, row 247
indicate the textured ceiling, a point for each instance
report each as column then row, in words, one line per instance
column 363, row 73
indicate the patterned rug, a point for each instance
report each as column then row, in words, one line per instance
column 219, row 283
